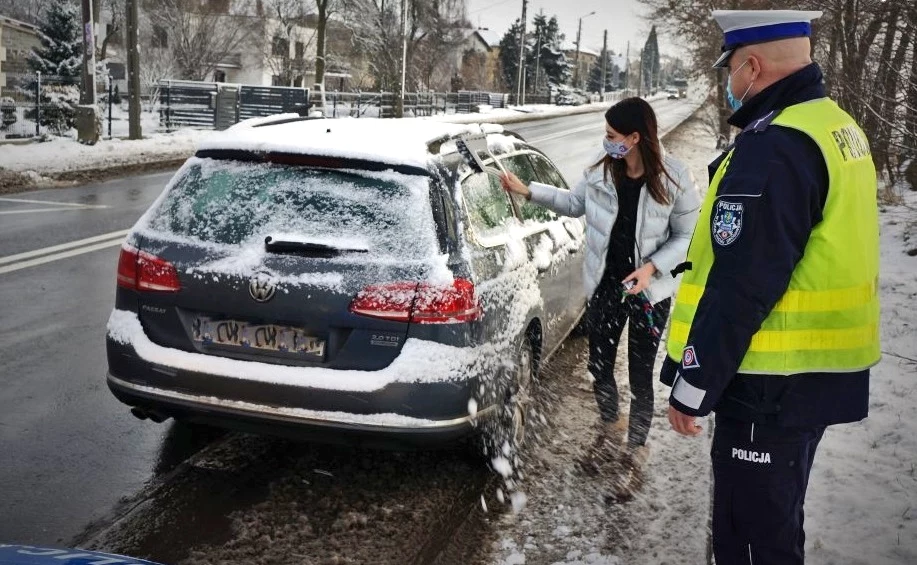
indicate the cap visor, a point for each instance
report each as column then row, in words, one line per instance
column 723, row 61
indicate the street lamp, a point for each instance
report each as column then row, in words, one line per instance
column 579, row 31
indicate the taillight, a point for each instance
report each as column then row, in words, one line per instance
column 127, row 267
column 139, row 270
column 446, row 305
column 388, row 302
column 421, row 303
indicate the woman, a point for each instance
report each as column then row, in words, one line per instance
column 640, row 207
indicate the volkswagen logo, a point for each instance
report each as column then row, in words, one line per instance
column 261, row 289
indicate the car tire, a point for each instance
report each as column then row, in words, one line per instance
column 520, row 393
column 505, row 433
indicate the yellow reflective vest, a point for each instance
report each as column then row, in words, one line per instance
column 828, row 318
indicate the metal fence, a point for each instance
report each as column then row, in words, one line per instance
column 33, row 104
column 219, row 105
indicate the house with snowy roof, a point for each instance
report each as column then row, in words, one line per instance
column 17, row 39
column 478, row 60
column 587, row 58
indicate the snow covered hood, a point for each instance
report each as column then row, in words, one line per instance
column 393, row 141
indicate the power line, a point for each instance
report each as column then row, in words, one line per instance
column 488, row 7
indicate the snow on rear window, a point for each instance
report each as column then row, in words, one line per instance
column 233, row 203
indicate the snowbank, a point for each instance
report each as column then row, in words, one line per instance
column 862, row 503
column 61, row 155
column 64, row 155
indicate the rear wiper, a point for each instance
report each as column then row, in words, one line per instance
column 307, row 249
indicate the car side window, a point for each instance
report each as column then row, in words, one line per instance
column 547, row 173
column 523, row 167
column 487, row 204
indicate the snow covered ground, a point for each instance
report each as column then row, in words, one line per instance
column 862, row 502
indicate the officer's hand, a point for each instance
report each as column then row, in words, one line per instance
column 683, row 424
column 641, row 278
column 511, row 183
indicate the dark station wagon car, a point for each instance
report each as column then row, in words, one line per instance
column 345, row 280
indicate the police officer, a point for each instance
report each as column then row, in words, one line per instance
column 776, row 323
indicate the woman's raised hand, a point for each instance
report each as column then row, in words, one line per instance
column 511, row 183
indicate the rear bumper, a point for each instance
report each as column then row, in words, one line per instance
column 337, row 427
column 427, row 412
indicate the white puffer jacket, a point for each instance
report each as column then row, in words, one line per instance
column 663, row 230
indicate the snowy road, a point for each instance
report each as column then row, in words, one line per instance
column 77, row 452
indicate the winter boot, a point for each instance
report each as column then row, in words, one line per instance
column 607, row 446
column 628, row 479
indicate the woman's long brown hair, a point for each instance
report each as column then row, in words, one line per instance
column 626, row 117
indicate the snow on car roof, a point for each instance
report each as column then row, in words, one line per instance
column 391, row 141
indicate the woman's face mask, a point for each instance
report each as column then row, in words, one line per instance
column 616, row 149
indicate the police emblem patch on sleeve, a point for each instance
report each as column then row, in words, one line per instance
column 727, row 222
column 689, row 358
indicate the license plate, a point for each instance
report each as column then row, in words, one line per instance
column 263, row 337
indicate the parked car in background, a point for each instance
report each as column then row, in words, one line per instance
column 570, row 97
column 345, row 281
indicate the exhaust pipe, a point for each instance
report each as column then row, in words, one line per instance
column 157, row 416
column 148, row 413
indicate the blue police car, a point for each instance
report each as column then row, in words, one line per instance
column 32, row 555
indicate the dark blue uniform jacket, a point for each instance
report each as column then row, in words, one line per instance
column 780, row 178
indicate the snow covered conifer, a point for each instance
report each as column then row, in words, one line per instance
column 595, row 74
column 59, row 60
column 61, row 50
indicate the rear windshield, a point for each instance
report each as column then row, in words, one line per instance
column 234, row 202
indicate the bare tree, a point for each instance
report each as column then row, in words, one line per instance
column 435, row 62
column 325, row 9
column 115, row 33
column 690, row 22
column 868, row 51
column 200, row 33
column 284, row 38
column 474, row 70
column 435, row 29
column 29, row 11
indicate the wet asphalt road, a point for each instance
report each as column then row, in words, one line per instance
column 71, row 455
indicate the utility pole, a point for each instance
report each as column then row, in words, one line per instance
column 579, row 31
column 521, row 71
column 88, row 92
column 88, row 125
column 627, row 70
column 604, row 61
column 537, row 62
column 640, row 86
column 399, row 104
column 133, row 70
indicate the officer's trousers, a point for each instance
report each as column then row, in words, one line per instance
column 760, row 475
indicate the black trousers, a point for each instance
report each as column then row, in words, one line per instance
column 760, row 476
column 608, row 312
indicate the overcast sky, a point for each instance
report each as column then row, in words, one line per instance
column 622, row 18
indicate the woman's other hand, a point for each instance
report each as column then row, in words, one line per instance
column 641, row 278
column 511, row 183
